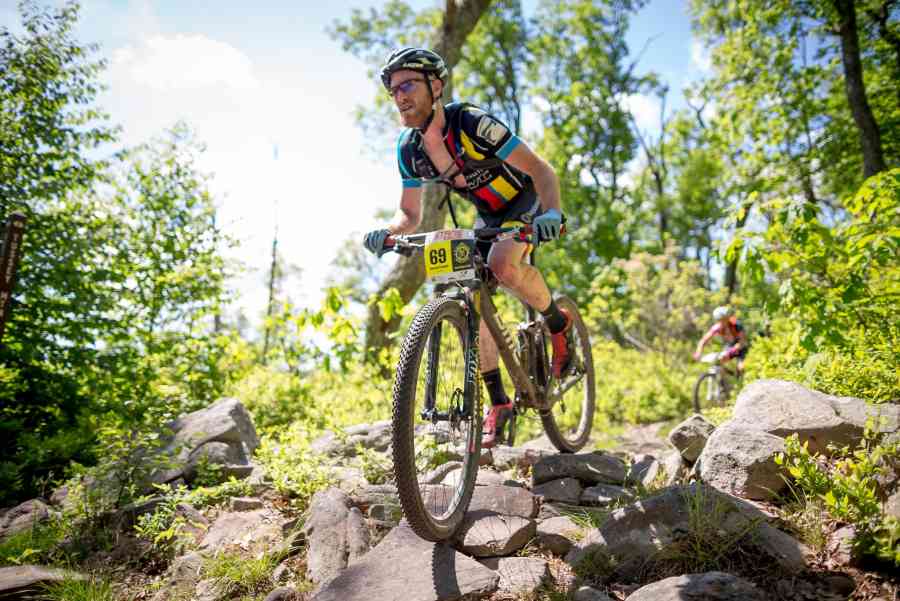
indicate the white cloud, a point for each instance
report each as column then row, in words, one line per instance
column 700, row 56
column 184, row 61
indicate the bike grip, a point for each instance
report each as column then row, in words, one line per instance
column 388, row 242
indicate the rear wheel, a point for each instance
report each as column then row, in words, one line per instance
column 568, row 421
column 437, row 418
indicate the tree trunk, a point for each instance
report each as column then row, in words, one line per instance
column 870, row 138
column 460, row 18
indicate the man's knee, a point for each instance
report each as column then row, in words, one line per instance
column 507, row 272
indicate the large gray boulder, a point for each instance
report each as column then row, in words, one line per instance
column 594, row 468
column 690, row 436
column 227, row 422
column 336, row 535
column 740, row 460
column 504, row 500
column 783, row 408
column 376, row 436
column 710, row 586
column 403, row 567
column 22, row 517
column 638, row 532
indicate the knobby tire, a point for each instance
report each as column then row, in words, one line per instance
column 414, row 495
column 565, row 441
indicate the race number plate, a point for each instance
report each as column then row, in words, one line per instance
column 448, row 255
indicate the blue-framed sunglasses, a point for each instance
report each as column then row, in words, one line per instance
column 404, row 86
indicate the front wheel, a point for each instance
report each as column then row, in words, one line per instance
column 707, row 392
column 437, row 417
column 568, row 421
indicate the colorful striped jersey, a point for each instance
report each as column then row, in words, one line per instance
column 479, row 143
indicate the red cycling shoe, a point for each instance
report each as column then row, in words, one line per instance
column 562, row 353
column 493, row 424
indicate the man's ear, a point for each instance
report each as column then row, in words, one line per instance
column 437, row 87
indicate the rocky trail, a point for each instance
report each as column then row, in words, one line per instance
column 692, row 515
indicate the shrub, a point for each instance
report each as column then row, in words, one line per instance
column 865, row 366
column 847, row 487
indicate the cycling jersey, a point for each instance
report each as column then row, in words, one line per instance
column 731, row 332
column 479, row 144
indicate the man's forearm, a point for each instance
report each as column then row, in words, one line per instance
column 404, row 222
column 546, row 185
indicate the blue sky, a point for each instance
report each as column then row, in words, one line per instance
column 248, row 76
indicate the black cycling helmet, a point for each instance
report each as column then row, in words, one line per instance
column 414, row 59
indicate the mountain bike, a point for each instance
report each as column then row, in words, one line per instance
column 715, row 385
column 437, row 410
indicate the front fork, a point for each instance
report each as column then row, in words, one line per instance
column 470, row 298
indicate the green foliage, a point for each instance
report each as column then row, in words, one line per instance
column 838, row 279
column 295, row 470
column 641, row 387
column 848, row 489
column 76, row 589
column 236, row 574
column 866, row 367
column 166, row 529
column 132, row 452
column 377, row 468
column 37, row 545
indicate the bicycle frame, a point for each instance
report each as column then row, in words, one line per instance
column 477, row 294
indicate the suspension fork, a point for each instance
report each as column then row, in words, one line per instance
column 434, row 351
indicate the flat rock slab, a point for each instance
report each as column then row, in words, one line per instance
column 639, row 531
column 690, row 436
column 504, row 500
column 594, row 468
column 564, row 490
column 519, row 575
column 493, row 535
column 248, row 530
column 740, row 461
column 604, row 494
column 403, row 567
column 710, row 586
column 20, row 582
column 783, row 408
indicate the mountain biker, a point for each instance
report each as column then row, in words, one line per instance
column 475, row 154
column 732, row 332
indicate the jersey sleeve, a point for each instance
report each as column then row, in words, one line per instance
column 484, row 135
column 407, row 174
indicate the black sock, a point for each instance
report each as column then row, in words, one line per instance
column 554, row 319
column 493, row 381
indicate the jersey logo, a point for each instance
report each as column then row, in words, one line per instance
column 490, row 129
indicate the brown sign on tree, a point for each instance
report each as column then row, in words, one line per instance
column 9, row 261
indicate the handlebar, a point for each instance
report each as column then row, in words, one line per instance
column 525, row 233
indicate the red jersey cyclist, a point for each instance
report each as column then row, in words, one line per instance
column 732, row 333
